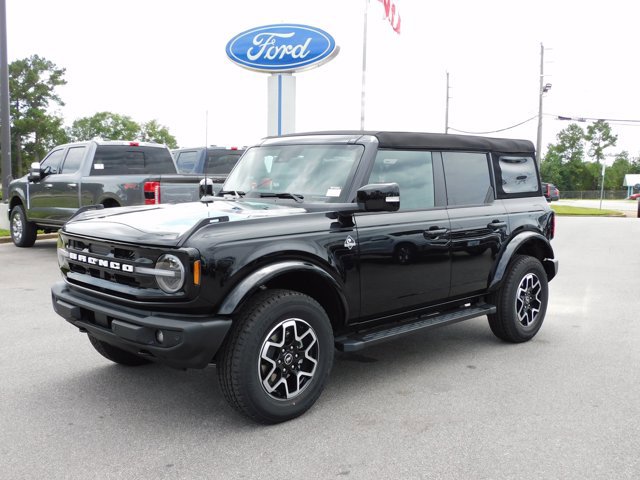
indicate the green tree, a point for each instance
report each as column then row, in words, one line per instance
column 152, row 131
column 104, row 125
column 113, row 126
column 34, row 129
column 614, row 176
column 563, row 164
column 600, row 137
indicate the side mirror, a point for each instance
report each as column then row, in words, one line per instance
column 35, row 172
column 379, row 197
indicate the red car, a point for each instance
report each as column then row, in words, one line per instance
column 550, row 192
column 634, row 196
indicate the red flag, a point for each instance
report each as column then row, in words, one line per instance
column 392, row 14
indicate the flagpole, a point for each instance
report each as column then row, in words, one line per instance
column 364, row 64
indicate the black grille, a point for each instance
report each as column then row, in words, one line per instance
column 111, row 267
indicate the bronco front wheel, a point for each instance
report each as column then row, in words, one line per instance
column 274, row 364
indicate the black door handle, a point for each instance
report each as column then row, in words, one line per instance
column 434, row 232
column 497, row 224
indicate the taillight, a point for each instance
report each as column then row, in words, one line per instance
column 134, row 144
column 552, row 227
column 151, row 193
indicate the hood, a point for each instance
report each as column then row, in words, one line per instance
column 167, row 225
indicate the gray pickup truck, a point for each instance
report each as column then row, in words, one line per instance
column 105, row 173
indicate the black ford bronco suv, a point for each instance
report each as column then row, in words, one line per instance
column 317, row 241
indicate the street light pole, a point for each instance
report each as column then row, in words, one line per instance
column 446, row 111
column 4, row 103
column 541, row 92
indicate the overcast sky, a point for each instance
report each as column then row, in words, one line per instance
column 166, row 60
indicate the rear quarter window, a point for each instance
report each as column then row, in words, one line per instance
column 129, row 160
column 516, row 175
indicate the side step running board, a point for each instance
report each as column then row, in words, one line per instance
column 359, row 340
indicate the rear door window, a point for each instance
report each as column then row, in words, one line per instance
column 125, row 159
column 468, row 178
column 73, row 160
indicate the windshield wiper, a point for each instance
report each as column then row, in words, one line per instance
column 298, row 198
column 234, row 193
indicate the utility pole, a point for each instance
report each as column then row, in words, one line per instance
column 544, row 88
column 5, row 117
column 446, row 112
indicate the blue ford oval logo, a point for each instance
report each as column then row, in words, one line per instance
column 281, row 48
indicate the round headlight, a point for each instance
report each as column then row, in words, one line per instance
column 169, row 273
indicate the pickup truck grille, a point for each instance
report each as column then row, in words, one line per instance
column 112, row 268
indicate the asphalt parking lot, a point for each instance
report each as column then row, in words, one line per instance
column 451, row 403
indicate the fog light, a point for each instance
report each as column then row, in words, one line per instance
column 159, row 336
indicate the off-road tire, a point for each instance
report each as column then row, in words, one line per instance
column 250, row 362
column 23, row 232
column 521, row 301
column 117, row 355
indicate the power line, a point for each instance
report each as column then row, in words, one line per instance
column 495, row 131
column 592, row 119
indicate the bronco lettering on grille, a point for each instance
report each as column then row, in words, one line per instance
column 78, row 257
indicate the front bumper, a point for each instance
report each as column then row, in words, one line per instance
column 188, row 341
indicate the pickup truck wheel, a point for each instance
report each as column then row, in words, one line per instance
column 117, row 355
column 23, row 232
column 521, row 301
column 274, row 364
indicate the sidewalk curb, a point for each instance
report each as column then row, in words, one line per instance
column 42, row 236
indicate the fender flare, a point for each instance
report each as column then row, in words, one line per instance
column 253, row 281
column 514, row 245
column 110, row 196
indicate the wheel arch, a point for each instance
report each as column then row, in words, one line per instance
column 527, row 243
column 110, row 201
column 14, row 201
column 299, row 276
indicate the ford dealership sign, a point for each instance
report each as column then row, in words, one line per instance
column 282, row 48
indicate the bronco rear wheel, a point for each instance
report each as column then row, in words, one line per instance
column 521, row 301
column 274, row 364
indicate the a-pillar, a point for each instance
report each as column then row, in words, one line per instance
column 282, row 104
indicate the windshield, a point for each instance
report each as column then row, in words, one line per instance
column 316, row 173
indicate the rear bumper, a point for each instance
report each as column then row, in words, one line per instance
column 188, row 341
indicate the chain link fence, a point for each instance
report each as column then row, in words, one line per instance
column 593, row 195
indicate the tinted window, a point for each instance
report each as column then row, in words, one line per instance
column 186, row 161
column 73, row 159
column 218, row 164
column 467, row 178
column 125, row 159
column 412, row 171
column 51, row 164
column 517, row 174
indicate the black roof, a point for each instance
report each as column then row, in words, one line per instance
column 440, row 141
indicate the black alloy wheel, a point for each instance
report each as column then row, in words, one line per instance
column 521, row 301
column 275, row 361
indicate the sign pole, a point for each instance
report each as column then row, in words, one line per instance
column 364, row 64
